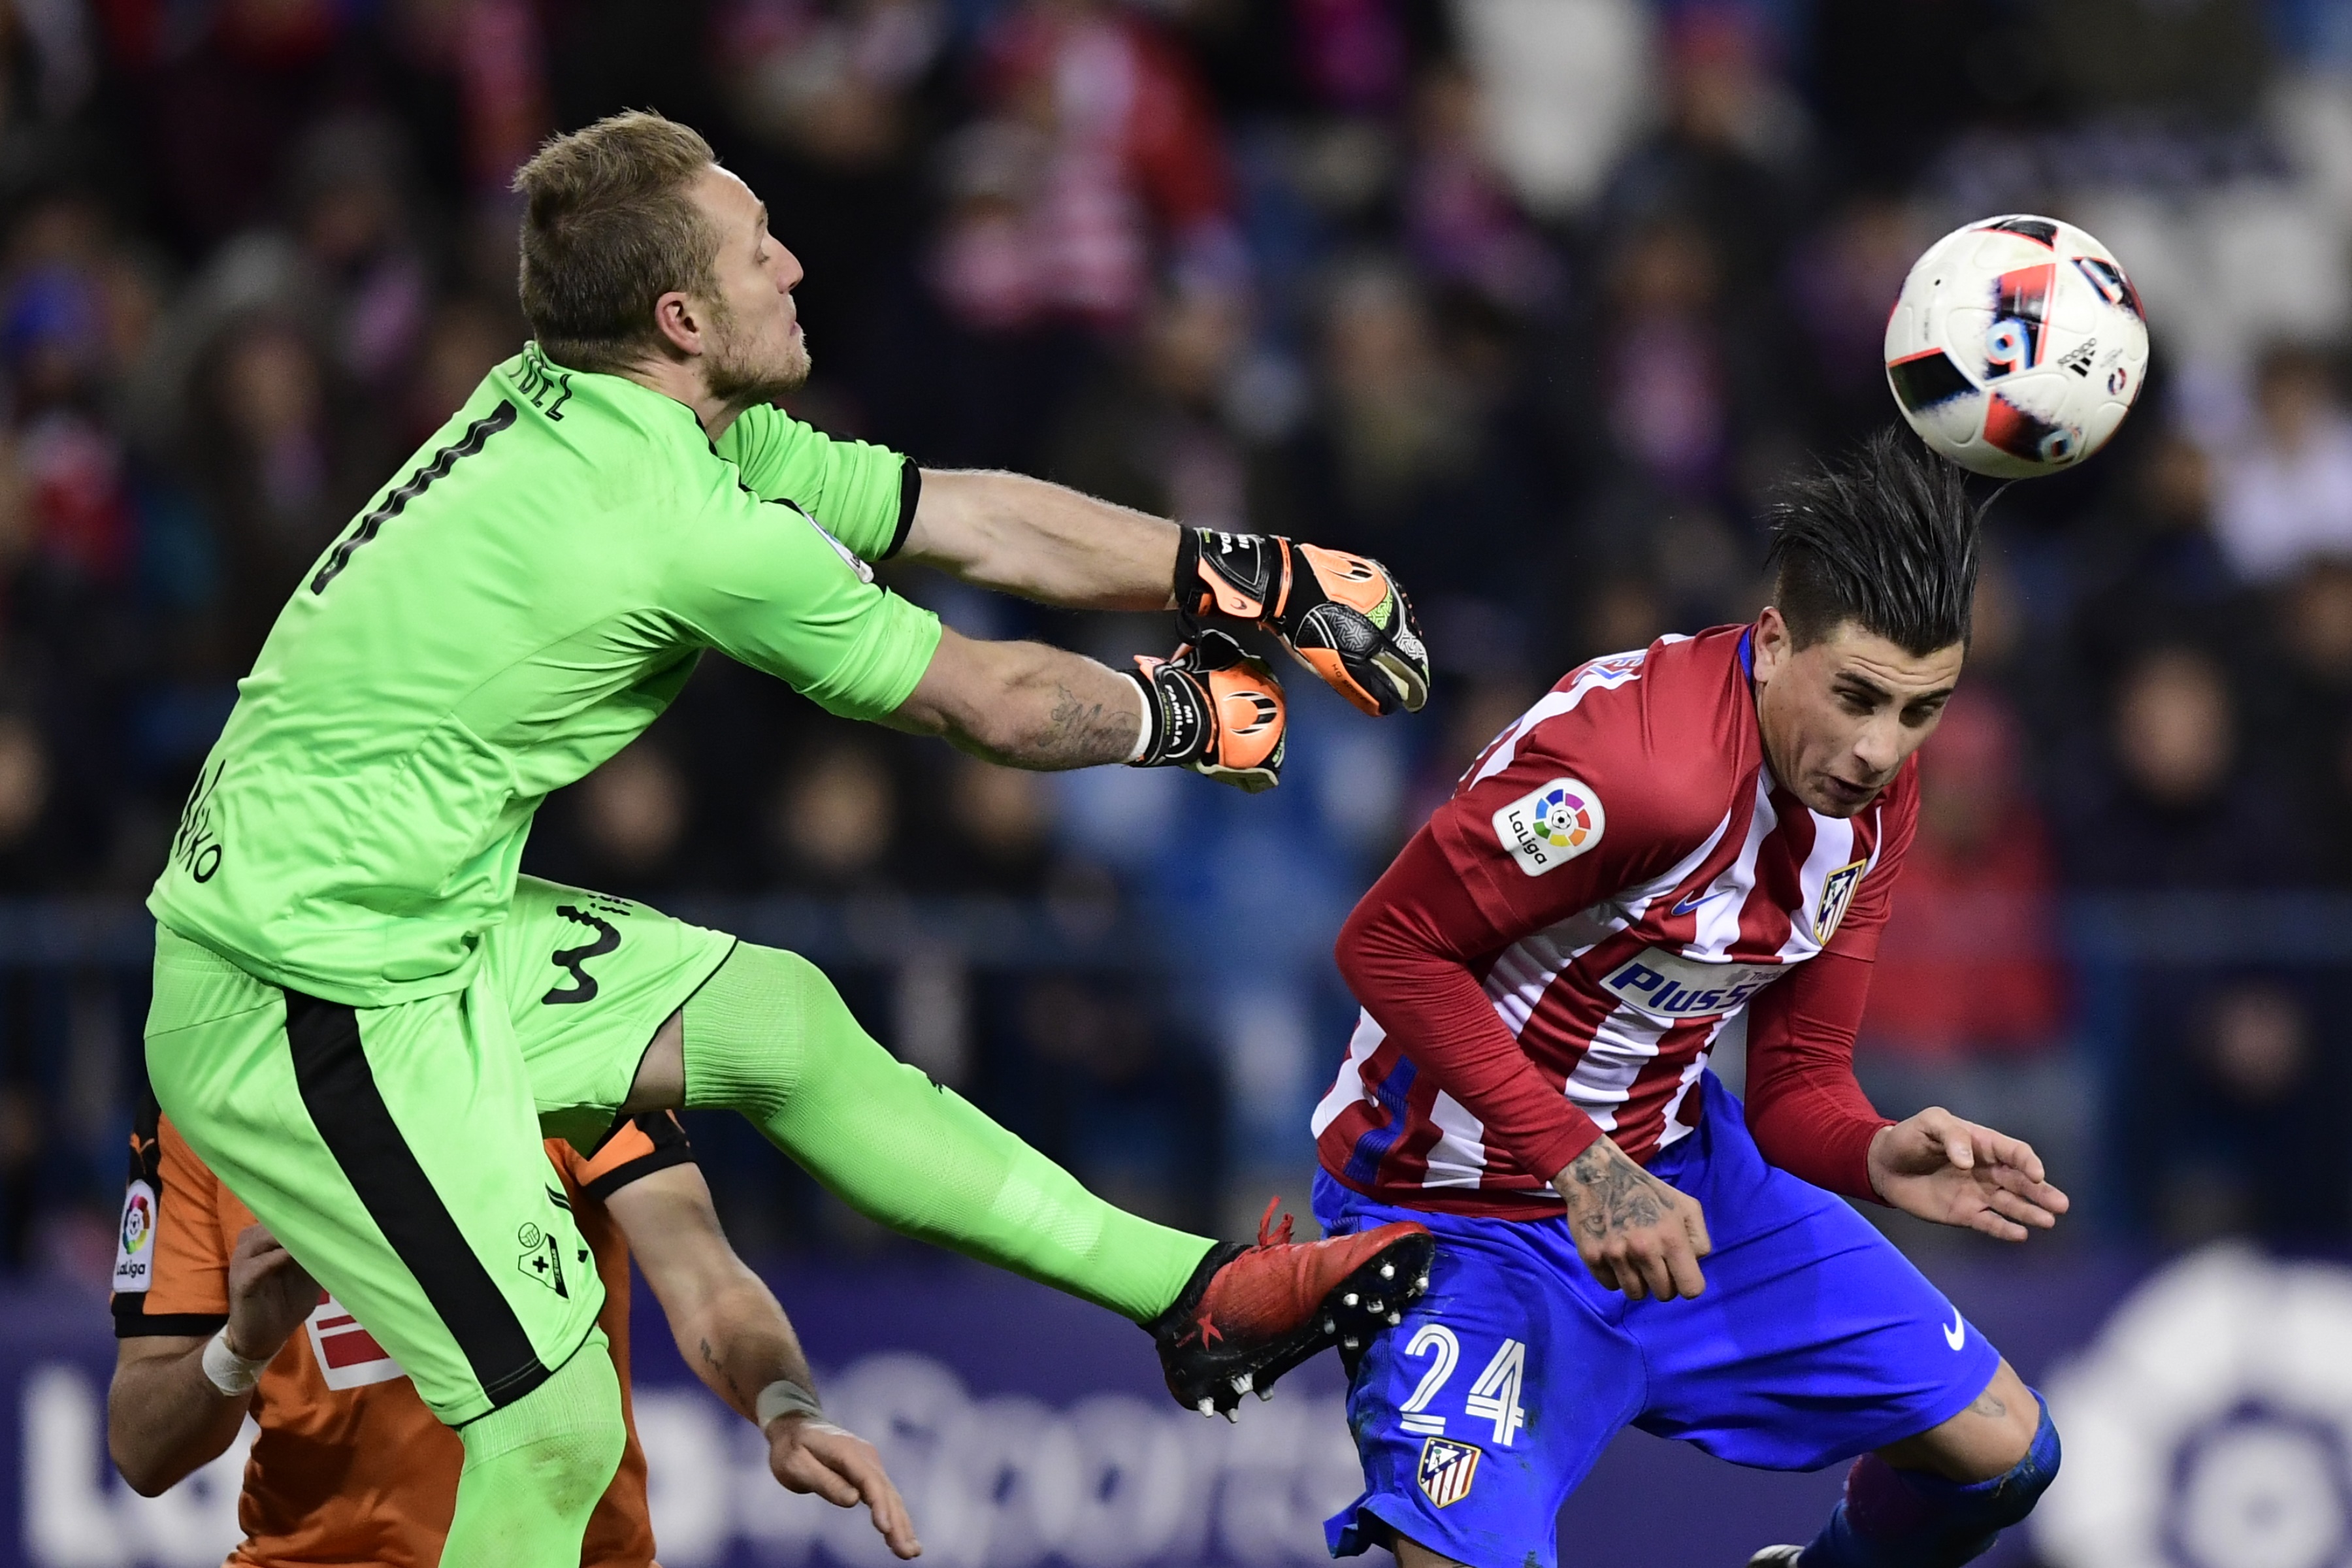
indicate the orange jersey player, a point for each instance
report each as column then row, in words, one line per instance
column 216, row 1321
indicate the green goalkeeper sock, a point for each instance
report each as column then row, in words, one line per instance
column 769, row 1036
column 534, row 1469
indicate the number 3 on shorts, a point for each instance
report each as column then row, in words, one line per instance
column 602, row 938
column 1494, row 1397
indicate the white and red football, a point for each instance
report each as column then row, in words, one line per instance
column 2017, row 347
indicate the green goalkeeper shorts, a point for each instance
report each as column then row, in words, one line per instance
column 396, row 1151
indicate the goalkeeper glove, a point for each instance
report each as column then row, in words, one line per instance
column 1212, row 708
column 1342, row 616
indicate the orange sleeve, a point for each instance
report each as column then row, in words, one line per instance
column 171, row 1261
column 633, row 1149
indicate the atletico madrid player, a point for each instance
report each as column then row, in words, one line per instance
column 1672, row 850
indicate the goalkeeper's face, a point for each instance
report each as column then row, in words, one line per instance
column 753, row 351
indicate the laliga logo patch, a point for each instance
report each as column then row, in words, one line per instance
column 1446, row 1470
column 1837, row 896
column 1551, row 824
column 134, row 1251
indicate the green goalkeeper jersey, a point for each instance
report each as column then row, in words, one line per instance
column 514, row 608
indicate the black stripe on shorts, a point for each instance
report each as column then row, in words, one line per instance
column 339, row 1092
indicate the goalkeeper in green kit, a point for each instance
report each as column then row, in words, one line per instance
column 363, row 1016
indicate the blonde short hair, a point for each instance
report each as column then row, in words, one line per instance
column 609, row 227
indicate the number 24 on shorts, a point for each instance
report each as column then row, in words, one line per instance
column 1494, row 1397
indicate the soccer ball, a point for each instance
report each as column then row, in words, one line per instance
column 2017, row 346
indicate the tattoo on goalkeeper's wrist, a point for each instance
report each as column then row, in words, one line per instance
column 1078, row 733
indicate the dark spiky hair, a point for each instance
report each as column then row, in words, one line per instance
column 1885, row 537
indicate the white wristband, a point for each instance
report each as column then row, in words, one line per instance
column 785, row 1397
column 233, row 1375
column 1143, row 714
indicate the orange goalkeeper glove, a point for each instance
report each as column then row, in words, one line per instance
column 1342, row 616
column 1212, row 708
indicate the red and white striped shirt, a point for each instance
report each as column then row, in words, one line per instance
column 1611, row 886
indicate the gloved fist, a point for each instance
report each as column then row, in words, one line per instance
column 1212, row 708
column 1342, row 616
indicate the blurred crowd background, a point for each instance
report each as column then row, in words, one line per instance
column 1531, row 298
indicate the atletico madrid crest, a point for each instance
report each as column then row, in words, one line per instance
column 1837, row 894
column 1446, row 1469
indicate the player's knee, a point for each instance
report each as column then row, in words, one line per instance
column 561, row 1443
column 2038, row 1467
column 1924, row 1521
column 569, row 1471
column 750, row 1029
column 1997, row 1447
column 2019, row 1433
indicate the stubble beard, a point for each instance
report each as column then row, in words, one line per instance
column 739, row 377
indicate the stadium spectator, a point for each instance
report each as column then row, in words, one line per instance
column 1839, row 280
column 627, row 821
column 463, row 339
column 1112, row 163
column 352, row 226
column 1392, row 457
column 828, row 83
column 835, row 817
column 1724, row 160
column 2235, row 1095
column 2151, row 565
column 2179, row 805
column 1462, row 222
column 2306, row 708
column 1003, row 831
column 1668, row 404
column 1158, row 429
column 2287, row 495
column 281, row 458
column 1101, row 1091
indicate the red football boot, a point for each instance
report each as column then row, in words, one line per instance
column 1250, row 1313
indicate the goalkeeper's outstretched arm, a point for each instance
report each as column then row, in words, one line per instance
column 1024, row 704
column 1043, row 541
column 1342, row 616
column 1211, row 708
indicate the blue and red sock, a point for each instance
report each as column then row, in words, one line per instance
column 1910, row 1518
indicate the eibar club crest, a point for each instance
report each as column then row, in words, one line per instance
column 1448, row 1468
column 1837, row 893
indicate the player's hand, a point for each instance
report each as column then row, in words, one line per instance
column 1342, row 616
column 1214, row 709
column 1956, row 1173
column 1635, row 1233
column 268, row 1295
column 810, row 1454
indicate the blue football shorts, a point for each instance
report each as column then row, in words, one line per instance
column 1814, row 1341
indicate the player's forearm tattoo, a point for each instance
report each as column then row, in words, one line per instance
column 1078, row 733
column 711, row 1357
column 1608, row 1193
